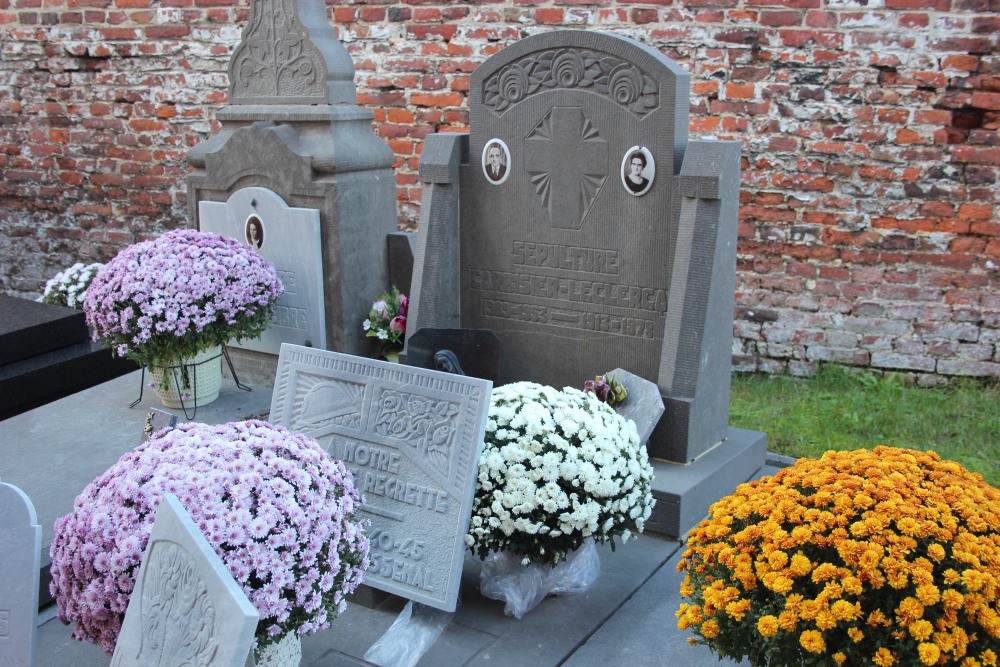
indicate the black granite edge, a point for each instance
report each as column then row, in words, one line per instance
column 34, row 382
column 30, row 328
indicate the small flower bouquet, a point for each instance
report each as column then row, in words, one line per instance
column 161, row 301
column 278, row 510
column 67, row 287
column 387, row 321
column 884, row 557
column 606, row 388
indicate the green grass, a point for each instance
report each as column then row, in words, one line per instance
column 846, row 409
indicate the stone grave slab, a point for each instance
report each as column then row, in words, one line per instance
column 412, row 439
column 401, row 247
column 477, row 350
column 20, row 542
column 30, row 328
column 186, row 609
column 290, row 239
column 643, row 404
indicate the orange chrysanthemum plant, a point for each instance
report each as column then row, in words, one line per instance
column 884, row 557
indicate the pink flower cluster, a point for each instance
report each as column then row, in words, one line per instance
column 181, row 293
column 278, row 510
column 387, row 318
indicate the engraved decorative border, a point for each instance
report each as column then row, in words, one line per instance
column 618, row 80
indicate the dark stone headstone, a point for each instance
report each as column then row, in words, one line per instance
column 477, row 350
column 46, row 354
column 29, row 328
column 401, row 249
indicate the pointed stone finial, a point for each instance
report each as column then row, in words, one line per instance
column 289, row 54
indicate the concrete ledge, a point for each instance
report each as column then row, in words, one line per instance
column 685, row 492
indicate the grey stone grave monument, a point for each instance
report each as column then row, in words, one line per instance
column 594, row 236
column 186, row 608
column 20, row 549
column 297, row 172
column 412, row 439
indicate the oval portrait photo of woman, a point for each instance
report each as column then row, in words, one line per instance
column 255, row 232
column 638, row 170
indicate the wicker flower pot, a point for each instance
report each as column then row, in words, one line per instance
column 191, row 382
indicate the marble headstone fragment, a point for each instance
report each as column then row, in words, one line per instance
column 186, row 608
column 412, row 439
column 20, row 552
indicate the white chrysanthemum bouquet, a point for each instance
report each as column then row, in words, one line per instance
column 67, row 287
column 558, row 467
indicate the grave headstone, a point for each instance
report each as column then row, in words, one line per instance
column 477, row 350
column 20, row 549
column 412, row 439
column 292, row 128
column 185, row 609
column 590, row 233
column 290, row 239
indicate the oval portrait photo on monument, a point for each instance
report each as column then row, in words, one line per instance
column 496, row 161
column 638, row 170
column 255, row 232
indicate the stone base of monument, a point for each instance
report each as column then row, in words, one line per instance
column 685, row 492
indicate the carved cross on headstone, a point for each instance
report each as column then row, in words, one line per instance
column 568, row 163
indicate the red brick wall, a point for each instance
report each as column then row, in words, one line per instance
column 869, row 227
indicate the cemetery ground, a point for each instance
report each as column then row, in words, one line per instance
column 627, row 618
column 846, row 409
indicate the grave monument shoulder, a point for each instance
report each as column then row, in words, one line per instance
column 20, row 553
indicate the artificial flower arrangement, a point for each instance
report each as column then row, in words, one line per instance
column 161, row 301
column 387, row 321
column 884, row 557
column 558, row 467
column 606, row 388
column 67, row 287
column 281, row 514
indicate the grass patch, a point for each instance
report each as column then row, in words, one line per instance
column 846, row 409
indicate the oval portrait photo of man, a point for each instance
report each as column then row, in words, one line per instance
column 496, row 161
column 638, row 170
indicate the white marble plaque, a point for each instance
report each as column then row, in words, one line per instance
column 20, row 552
column 185, row 609
column 290, row 239
column 412, row 439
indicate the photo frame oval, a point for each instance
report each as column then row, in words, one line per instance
column 496, row 161
column 638, row 170
column 253, row 230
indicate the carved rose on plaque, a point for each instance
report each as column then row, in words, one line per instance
column 426, row 425
column 566, row 69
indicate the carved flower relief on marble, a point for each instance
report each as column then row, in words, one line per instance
column 276, row 57
column 178, row 617
column 565, row 69
column 428, row 426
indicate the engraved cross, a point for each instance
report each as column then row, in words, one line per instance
column 568, row 162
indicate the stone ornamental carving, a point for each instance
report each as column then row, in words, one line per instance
column 567, row 187
column 276, row 57
column 572, row 69
column 178, row 616
column 427, row 426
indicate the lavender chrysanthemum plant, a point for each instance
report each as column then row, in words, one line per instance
column 278, row 510
column 167, row 299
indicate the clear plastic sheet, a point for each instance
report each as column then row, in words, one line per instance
column 523, row 587
column 410, row 636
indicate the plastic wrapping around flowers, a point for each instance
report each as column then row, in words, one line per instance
column 522, row 587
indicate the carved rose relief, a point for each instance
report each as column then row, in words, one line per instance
column 565, row 69
column 426, row 425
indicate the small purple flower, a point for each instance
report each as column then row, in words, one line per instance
column 404, row 304
column 600, row 388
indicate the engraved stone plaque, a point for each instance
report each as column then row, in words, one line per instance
column 412, row 439
column 567, row 265
column 20, row 552
column 290, row 239
column 185, row 609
